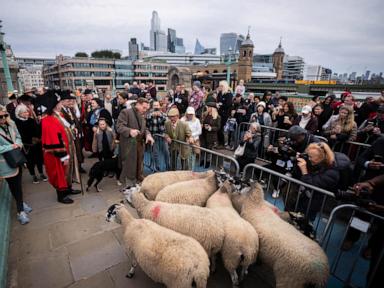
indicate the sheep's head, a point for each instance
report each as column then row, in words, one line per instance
column 112, row 214
column 129, row 192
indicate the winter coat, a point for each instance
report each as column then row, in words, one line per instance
column 267, row 120
column 5, row 146
column 209, row 138
column 328, row 178
column 97, row 144
column 252, row 146
column 182, row 132
column 225, row 103
column 311, row 126
column 331, row 124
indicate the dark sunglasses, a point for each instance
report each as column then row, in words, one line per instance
column 4, row 116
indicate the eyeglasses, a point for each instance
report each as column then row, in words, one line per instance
column 4, row 116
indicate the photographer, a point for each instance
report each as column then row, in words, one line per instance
column 371, row 128
column 321, row 167
column 251, row 140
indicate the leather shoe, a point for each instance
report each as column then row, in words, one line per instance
column 65, row 200
column 74, row 191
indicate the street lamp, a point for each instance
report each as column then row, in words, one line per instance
column 113, row 74
column 3, row 52
column 228, row 63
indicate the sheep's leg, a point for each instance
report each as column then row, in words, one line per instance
column 213, row 263
column 244, row 271
column 234, row 278
column 132, row 269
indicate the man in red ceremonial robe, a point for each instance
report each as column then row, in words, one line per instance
column 59, row 148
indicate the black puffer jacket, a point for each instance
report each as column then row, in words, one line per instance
column 330, row 178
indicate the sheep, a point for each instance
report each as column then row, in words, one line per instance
column 153, row 183
column 295, row 259
column 197, row 222
column 166, row 256
column 192, row 192
column 241, row 242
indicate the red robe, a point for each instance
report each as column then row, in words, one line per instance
column 55, row 146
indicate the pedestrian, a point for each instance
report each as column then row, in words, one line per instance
column 104, row 141
column 196, row 98
column 133, row 136
column 181, row 99
column 178, row 130
column 195, row 126
column 59, row 149
column 31, row 136
column 10, row 139
column 211, row 122
column 224, row 104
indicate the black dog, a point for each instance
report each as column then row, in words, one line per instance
column 101, row 169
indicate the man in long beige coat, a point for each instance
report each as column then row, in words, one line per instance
column 133, row 137
column 178, row 130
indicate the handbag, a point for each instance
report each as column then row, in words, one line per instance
column 14, row 157
column 240, row 150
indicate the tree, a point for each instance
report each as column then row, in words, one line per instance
column 81, row 54
column 106, row 54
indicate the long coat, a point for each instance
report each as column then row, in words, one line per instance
column 182, row 133
column 130, row 119
column 58, row 145
column 209, row 138
column 5, row 146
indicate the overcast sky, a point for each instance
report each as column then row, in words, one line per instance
column 344, row 35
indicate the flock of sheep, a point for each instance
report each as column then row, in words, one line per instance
column 187, row 218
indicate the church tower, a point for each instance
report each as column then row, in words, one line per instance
column 245, row 60
column 278, row 61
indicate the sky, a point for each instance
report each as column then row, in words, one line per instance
column 344, row 35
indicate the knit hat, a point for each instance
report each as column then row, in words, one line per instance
column 173, row 112
column 197, row 83
column 261, row 103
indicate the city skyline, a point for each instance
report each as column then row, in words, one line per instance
column 335, row 35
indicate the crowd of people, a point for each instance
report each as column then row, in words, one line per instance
column 55, row 128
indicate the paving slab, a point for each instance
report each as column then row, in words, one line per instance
column 92, row 203
column 51, row 271
column 95, row 254
column 100, row 280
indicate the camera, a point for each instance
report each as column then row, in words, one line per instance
column 304, row 156
column 363, row 199
column 286, row 150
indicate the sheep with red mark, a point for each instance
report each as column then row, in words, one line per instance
column 192, row 192
column 164, row 255
column 296, row 260
column 153, row 183
column 200, row 223
column 241, row 242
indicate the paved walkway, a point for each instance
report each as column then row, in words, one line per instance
column 73, row 245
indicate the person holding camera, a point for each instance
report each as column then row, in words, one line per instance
column 321, row 167
column 251, row 140
column 371, row 128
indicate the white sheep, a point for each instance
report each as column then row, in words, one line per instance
column 153, row 183
column 197, row 222
column 164, row 255
column 241, row 242
column 296, row 260
column 192, row 192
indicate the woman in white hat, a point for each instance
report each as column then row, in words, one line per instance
column 195, row 126
column 261, row 116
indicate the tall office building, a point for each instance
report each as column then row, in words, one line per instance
column 293, row 67
column 157, row 37
column 171, row 40
column 133, row 48
column 230, row 42
column 199, row 49
column 179, row 47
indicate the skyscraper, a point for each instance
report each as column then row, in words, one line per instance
column 133, row 48
column 230, row 42
column 179, row 46
column 171, row 40
column 157, row 38
column 199, row 49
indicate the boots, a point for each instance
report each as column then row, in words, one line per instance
column 63, row 198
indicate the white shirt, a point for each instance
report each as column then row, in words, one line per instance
column 195, row 127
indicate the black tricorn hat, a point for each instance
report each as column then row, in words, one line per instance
column 87, row 91
column 66, row 95
column 25, row 98
column 48, row 101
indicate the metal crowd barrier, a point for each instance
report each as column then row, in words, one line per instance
column 269, row 134
column 293, row 195
column 199, row 158
column 368, row 224
column 352, row 149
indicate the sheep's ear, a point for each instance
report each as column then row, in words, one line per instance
column 122, row 201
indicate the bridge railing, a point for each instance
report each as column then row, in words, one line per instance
column 5, row 224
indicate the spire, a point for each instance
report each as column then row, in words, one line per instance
column 280, row 41
column 279, row 48
column 248, row 40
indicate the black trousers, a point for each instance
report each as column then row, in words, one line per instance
column 35, row 158
column 15, row 187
